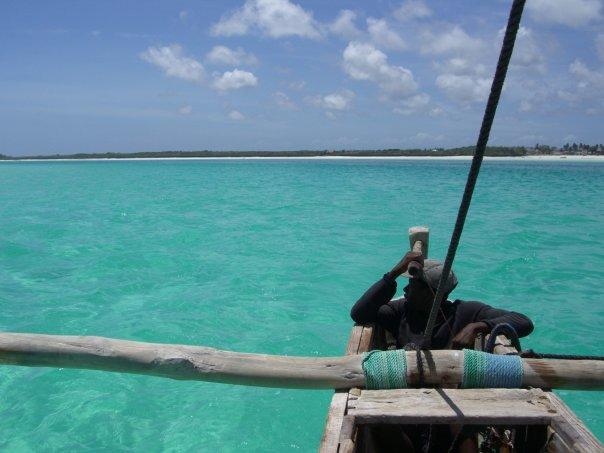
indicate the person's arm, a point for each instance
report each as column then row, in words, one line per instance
column 493, row 316
column 389, row 315
column 481, row 320
column 365, row 310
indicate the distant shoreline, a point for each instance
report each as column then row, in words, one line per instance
column 533, row 158
column 574, row 152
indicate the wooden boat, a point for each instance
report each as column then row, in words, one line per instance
column 532, row 419
column 504, row 420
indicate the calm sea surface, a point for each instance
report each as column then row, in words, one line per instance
column 265, row 256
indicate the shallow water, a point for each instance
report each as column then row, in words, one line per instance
column 265, row 256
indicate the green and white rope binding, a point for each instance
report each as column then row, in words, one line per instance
column 483, row 370
column 385, row 369
column 388, row 370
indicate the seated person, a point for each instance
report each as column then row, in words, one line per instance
column 457, row 324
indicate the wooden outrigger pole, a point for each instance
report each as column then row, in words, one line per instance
column 184, row 362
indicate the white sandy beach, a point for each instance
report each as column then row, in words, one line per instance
column 555, row 158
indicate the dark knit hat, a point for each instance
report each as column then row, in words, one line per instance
column 431, row 272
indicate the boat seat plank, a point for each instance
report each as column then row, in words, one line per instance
column 444, row 406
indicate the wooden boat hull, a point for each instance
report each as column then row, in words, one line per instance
column 365, row 420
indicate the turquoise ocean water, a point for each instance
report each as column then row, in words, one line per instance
column 265, row 256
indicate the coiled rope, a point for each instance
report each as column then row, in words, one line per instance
column 505, row 329
column 483, row 137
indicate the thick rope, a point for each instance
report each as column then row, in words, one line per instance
column 388, row 370
column 482, row 370
column 483, row 137
column 505, row 329
column 529, row 353
column 385, row 369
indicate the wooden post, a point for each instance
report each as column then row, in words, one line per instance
column 419, row 234
column 208, row 364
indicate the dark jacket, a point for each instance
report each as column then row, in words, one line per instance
column 407, row 326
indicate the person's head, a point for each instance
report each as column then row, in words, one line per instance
column 422, row 286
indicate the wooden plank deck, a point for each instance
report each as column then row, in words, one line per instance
column 459, row 406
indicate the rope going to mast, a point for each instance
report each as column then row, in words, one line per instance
column 483, row 137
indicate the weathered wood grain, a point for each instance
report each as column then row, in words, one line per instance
column 419, row 239
column 208, row 364
column 444, row 406
column 333, row 425
column 572, row 433
column 359, row 342
column 180, row 361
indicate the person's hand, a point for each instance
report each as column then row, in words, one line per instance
column 412, row 256
column 403, row 264
column 466, row 337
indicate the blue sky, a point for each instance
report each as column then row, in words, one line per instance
column 86, row 76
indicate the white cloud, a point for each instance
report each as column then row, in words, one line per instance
column 589, row 84
column 364, row 62
column 567, row 96
column 436, row 111
column 236, row 115
column 233, row 80
column 464, row 80
column 174, row 63
column 341, row 100
column 284, row 101
column 274, row 18
column 573, row 13
column 464, row 88
column 382, row 35
column 527, row 54
column 344, row 25
column 570, row 138
column 460, row 66
column 586, row 75
column 424, row 137
column 525, row 106
column 600, row 45
column 412, row 9
column 222, row 55
column 453, row 41
column 185, row 110
column 418, row 101
column 414, row 104
column 587, row 93
column 297, row 85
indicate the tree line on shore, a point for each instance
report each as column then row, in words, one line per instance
column 493, row 151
